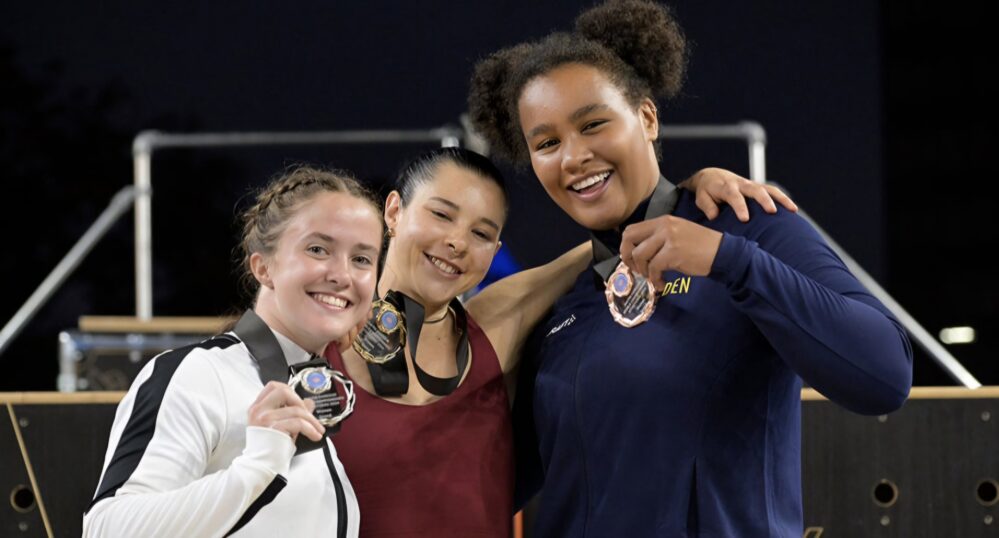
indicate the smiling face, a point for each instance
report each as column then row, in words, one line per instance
column 319, row 281
column 446, row 237
column 590, row 148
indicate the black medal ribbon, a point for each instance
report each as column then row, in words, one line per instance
column 391, row 378
column 662, row 202
column 267, row 353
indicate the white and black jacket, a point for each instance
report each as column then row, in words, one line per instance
column 181, row 460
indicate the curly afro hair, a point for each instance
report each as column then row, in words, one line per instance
column 636, row 43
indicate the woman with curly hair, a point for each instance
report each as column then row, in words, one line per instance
column 667, row 395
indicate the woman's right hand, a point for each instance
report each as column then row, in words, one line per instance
column 669, row 243
column 279, row 408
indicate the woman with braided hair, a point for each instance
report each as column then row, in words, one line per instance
column 665, row 393
column 210, row 440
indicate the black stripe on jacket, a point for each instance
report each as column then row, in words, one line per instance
column 341, row 496
column 142, row 422
column 263, row 500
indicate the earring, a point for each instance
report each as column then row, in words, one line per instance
column 391, row 232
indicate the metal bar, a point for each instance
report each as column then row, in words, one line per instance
column 118, row 206
column 154, row 140
column 142, row 168
column 936, row 351
column 749, row 131
column 147, row 142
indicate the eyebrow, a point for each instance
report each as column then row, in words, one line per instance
column 456, row 207
column 329, row 239
column 579, row 113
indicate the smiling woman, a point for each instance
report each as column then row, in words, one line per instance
column 447, row 231
column 205, row 437
column 314, row 284
column 589, row 146
column 666, row 398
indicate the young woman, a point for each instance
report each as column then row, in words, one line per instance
column 204, row 443
column 672, row 412
column 429, row 447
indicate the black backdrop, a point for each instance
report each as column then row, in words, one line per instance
column 875, row 113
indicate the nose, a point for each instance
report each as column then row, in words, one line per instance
column 456, row 244
column 575, row 154
column 338, row 271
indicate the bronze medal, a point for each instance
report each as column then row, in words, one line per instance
column 631, row 298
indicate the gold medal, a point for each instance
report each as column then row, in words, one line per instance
column 383, row 336
column 631, row 298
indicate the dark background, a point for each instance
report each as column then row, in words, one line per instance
column 877, row 114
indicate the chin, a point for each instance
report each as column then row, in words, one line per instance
column 334, row 329
column 594, row 218
column 596, row 222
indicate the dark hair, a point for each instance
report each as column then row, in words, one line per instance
column 278, row 201
column 422, row 169
column 636, row 43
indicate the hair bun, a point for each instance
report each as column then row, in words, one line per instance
column 488, row 105
column 643, row 34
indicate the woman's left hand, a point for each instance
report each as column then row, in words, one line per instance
column 714, row 186
column 669, row 243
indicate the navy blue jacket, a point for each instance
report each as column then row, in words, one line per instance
column 689, row 425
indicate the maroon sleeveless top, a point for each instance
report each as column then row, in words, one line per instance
column 444, row 469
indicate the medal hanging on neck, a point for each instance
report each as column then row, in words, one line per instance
column 631, row 298
column 312, row 380
column 398, row 320
column 384, row 335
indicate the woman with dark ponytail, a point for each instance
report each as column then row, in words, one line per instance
column 666, row 399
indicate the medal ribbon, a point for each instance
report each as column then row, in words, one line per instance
column 391, row 378
column 265, row 350
column 662, row 202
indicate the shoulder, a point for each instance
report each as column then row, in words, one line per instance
column 781, row 231
column 195, row 358
column 192, row 370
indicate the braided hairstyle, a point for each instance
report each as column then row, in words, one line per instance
column 278, row 202
column 637, row 44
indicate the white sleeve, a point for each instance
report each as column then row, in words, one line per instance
column 163, row 436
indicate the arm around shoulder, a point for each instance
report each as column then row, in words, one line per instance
column 508, row 309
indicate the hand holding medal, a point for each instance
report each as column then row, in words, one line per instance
column 668, row 243
column 314, row 381
column 279, row 408
column 631, row 296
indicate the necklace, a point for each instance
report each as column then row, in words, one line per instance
column 396, row 324
column 449, row 310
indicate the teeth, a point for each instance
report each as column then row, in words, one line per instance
column 590, row 181
column 446, row 267
column 331, row 300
